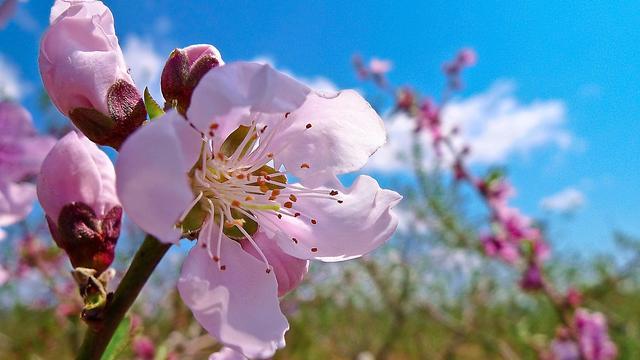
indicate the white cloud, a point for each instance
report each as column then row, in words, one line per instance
column 145, row 64
column 568, row 200
column 494, row 123
column 11, row 85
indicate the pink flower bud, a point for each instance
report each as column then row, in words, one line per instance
column 532, row 279
column 85, row 75
column 76, row 189
column 143, row 348
column 183, row 71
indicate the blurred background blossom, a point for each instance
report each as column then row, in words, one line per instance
column 552, row 112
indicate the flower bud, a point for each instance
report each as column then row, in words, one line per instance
column 76, row 189
column 183, row 71
column 85, row 75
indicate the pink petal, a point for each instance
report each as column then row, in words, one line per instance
column 289, row 270
column 152, row 180
column 21, row 150
column 332, row 135
column 227, row 94
column 7, row 10
column 239, row 305
column 80, row 57
column 195, row 52
column 227, row 354
column 344, row 231
column 16, row 201
column 76, row 170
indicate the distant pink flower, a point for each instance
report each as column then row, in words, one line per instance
column 379, row 67
column 21, row 153
column 532, row 279
column 84, row 72
column 228, row 182
column 144, row 348
column 564, row 350
column 467, row 57
column 573, row 298
column 593, row 336
column 76, row 189
column 500, row 248
column 7, row 9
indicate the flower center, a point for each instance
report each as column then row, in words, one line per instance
column 237, row 182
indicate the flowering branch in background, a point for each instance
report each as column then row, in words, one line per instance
column 513, row 237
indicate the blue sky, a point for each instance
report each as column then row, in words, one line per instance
column 579, row 59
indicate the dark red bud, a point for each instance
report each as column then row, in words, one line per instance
column 175, row 75
column 179, row 79
column 88, row 240
column 126, row 114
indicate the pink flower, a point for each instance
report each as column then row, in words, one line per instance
column 7, row 9
column 229, row 181
column 379, row 67
column 76, row 189
column 467, row 57
column 21, row 153
column 84, row 72
column 532, row 279
column 500, row 248
column 144, row 348
column 593, row 337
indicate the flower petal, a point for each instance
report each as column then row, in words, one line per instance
column 21, row 150
column 80, row 57
column 342, row 231
column 239, row 305
column 227, row 95
column 151, row 170
column 16, row 201
column 227, row 354
column 332, row 135
column 289, row 270
column 76, row 170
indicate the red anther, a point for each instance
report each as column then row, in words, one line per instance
column 308, row 126
column 268, row 271
column 279, row 216
column 314, row 221
column 314, row 249
column 304, row 166
column 340, row 201
column 263, row 129
column 293, row 198
column 223, row 267
column 296, row 214
column 216, row 258
column 288, row 204
column 333, row 193
column 235, row 203
column 294, row 240
column 286, row 115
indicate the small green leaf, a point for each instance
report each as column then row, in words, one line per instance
column 153, row 109
column 118, row 341
column 231, row 143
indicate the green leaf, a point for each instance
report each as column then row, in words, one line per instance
column 118, row 341
column 153, row 109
